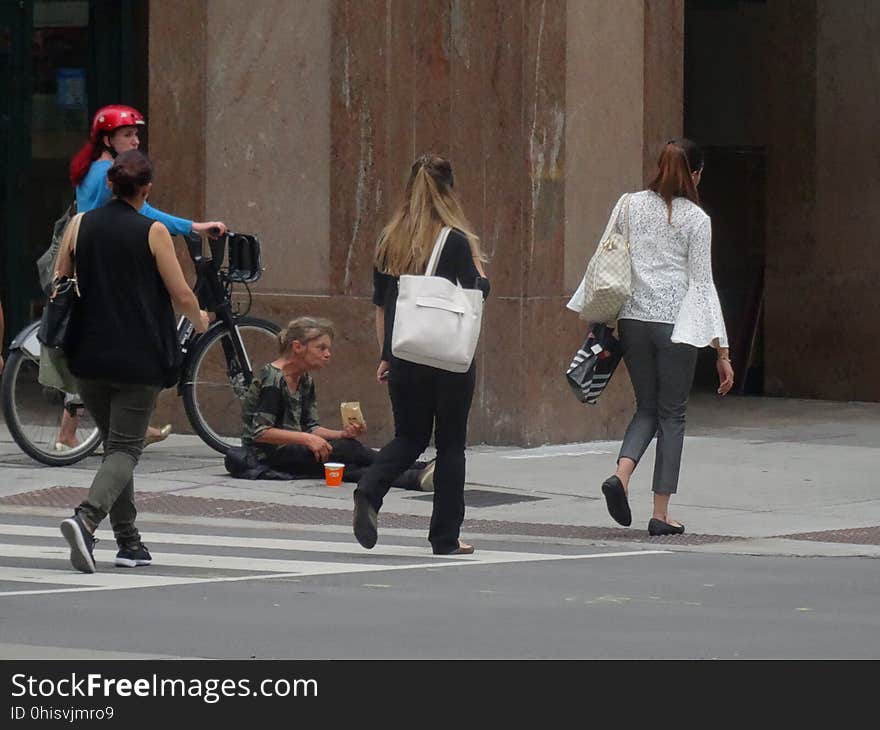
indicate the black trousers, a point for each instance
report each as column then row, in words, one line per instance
column 426, row 400
column 299, row 460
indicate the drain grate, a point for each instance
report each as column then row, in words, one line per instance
column 178, row 504
column 486, row 498
column 853, row 536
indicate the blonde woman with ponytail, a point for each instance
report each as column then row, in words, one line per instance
column 424, row 399
column 673, row 310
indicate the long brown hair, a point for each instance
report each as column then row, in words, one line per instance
column 429, row 202
column 678, row 160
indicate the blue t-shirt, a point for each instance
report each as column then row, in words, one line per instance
column 93, row 192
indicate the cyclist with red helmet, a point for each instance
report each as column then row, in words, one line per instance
column 114, row 131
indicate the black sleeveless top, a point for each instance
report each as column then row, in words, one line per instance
column 123, row 325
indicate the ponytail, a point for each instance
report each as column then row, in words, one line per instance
column 82, row 161
column 429, row 202
column 678, row 160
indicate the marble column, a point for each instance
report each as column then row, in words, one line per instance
column 314, row 111
column 823, row 201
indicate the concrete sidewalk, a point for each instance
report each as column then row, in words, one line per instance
column 759, row 476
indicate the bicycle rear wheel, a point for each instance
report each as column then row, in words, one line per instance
column 33, row 414
column 215, row 382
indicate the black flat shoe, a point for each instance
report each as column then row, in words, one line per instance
column 616, row 501
column 659, row 527
column 365, row 521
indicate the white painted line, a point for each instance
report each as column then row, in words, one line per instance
column 113, row 581
column 559, row 453
column 313, row 546
column 321, row 569
column 258, row 568
column 104, row 558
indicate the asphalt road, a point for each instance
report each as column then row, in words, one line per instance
column 291, row 594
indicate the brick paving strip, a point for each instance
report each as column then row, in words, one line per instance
column 175, row 504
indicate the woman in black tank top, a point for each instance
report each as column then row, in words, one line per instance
column 123, row 348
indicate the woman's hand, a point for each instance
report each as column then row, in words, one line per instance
column 382, row 372
column 353, row 430
column 203, row 323
column 212, row 229
column 318, row 446
column 725, row 375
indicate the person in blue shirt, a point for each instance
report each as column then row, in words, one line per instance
column 115, row 129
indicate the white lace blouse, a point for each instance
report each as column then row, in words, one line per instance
column 671, row 267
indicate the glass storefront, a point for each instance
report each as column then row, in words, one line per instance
column 59, row 61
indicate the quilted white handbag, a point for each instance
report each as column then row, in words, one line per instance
column 436, row 322
column 607, row 284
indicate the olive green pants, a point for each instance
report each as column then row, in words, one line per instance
column 122, row 413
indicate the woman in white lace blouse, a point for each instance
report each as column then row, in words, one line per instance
column 673, row 311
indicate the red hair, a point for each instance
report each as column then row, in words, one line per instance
column 678, row 160
column 82, row 161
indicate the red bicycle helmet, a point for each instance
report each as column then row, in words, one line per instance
column 108, row 118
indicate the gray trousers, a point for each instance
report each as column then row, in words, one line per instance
column 122, row 413
column 662, row 374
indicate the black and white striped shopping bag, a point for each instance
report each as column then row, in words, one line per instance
column 593, row 364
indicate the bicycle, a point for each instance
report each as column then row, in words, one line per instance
column 217, row 367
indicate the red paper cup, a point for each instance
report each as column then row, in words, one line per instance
column 333, row 474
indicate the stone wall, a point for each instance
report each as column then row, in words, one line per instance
column 312, row 112
column 823, row 203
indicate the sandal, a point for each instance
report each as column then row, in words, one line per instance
column 462, row 549
column 163, row 434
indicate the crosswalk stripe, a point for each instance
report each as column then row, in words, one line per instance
column 341, row 548
column 105, row 580
column 254, row 567
column 174, row 560
column 317, row 569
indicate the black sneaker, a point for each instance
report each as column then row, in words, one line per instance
column 133, row 556
column 82, row 544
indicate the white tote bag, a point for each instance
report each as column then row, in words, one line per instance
column 607, row 283
column 436, row 322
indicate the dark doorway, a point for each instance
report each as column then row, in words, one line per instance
column 724, row 111
column 59, row 61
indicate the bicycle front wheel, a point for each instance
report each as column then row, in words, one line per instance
column 33, row 414
column 216, row 381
